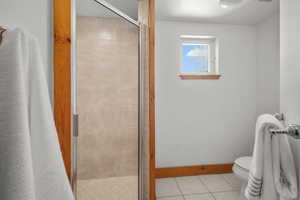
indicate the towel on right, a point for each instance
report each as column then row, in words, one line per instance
column 272, row 173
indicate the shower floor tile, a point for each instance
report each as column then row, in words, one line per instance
column 115, row 188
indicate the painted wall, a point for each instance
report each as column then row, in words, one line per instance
column 268, row 66
column 107, row 58
column 33, row 16
column 290, row 67
column 205, row 121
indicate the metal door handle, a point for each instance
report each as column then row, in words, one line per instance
column 75, row 125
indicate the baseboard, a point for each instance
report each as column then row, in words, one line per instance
column 193, row 170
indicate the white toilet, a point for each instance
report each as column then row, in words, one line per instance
column 241, row 169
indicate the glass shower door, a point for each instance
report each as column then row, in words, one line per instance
column 108, row 98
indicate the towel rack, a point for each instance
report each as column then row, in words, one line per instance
column 279, row 116
column 292, row 130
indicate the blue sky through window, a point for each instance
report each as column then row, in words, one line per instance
column 194, row 58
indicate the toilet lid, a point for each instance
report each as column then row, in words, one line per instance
column 244, row 162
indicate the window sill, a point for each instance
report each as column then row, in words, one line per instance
column 204, row 76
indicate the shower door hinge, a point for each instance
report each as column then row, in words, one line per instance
column 75, row 125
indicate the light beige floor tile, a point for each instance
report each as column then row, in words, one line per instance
column 167, row 187
column 199, row 197
column 171, row 198
column 227, row 196
column 216, row 183
column 233, row 180
column 191, row 185
column 116, row 188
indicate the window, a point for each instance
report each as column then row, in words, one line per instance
column 195, row 58
column 199, row 57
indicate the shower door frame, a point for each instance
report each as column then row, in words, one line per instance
column 141, row 46
column 63, row 35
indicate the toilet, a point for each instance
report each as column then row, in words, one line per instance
column 241, row 169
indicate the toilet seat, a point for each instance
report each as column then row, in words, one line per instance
column 241, row 167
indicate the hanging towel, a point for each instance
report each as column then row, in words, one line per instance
column 272, row 173
column 31, row 165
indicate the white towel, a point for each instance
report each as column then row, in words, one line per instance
column 272, row 173
column 31, row 165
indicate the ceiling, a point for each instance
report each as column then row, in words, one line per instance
column 248, row 12
column 92, row 8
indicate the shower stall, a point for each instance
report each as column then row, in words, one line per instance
column 108, row 83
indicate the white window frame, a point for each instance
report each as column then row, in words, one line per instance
column 213, row 60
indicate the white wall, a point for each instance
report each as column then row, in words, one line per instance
column 268, row 65
column 290, row 67
column 205, row 121
column 35, row 17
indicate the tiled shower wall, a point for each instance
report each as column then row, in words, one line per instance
column 107, row 98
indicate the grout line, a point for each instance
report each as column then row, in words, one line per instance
column 227, row 181
column 179, row 188
column 231, row 185
column 213, row 196
column 204, row 184
column 180, row 195
column 163, row 197
column 232, row 188
column 208, row 191
column 225, row 191
column 202, row 193
column 211, row 193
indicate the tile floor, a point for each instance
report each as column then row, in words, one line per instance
column 115, row 188
column 204, row 187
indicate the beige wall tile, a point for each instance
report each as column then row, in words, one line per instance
column 107, row 98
